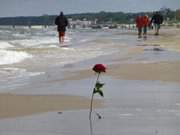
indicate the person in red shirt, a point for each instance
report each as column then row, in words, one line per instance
column 145, row 24
column 139, row 25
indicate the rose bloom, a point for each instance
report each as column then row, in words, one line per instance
column 98, row 68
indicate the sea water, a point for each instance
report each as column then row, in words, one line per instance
column 33, row 55
column 26, row 52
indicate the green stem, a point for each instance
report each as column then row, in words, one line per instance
column 92, row 97
column 98, row 77
column 91, row 128
column 91, row 107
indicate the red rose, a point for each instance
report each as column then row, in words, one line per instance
column 98, row 68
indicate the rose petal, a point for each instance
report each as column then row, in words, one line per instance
column 99, row 68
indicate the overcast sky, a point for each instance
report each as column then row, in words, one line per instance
column 51, row 7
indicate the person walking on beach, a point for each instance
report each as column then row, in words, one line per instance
column 157, row 20
column 61, row 22
column 139, row 25
column 145, row 24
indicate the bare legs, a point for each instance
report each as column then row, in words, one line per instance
column 61, row 39
column 145, row 32
column 139, row 32
column 157, row 27
column 144, row 29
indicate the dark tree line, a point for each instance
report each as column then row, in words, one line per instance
column 41, row 20
column 101, row 17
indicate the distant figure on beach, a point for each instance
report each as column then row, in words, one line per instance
column 145, row 24
column 61, row 22
column 157, row 20
column 139, row 25
column 142, row 22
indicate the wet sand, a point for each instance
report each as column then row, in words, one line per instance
column 161, row 71
column 169, row 38
column 22, row 105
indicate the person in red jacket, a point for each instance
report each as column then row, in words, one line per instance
column 145, row 23
column 139, row 25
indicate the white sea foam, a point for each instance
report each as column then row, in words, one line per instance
column 67, row 39
column 11, row 73
column 35, row 73
column 17, row 35
column 32, row 42
column 11, row 78
column 5, row 45
column 126, row 114
column 17, row 73
column 10, row 57
column 39, row 41
column 69, row 55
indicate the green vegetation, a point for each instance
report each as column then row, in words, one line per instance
column 101, row 17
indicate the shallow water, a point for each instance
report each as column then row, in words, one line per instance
column 25, row 53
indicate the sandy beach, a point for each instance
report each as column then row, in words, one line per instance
column 22, row 105
column 163, row 71
column 138, row 92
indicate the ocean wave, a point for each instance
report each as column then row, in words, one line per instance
column 32, row 42
column 17, row 72
column 43, row 42
column 5, row 45
column 12, row 77
column 10, row 57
